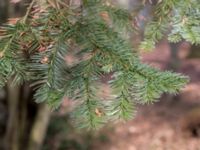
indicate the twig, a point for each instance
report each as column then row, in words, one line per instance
column 28, row 11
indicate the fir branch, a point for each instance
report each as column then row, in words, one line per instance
column 38, row 49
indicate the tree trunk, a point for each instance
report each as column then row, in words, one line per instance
column 39, row 128
column 4, row 7
column 12, row 132
column 174, row 63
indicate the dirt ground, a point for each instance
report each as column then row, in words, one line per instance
column 156, row 127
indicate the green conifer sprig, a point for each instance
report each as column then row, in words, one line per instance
column 177, row 20
column 65, row 51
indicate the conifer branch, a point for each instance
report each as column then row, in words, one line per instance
column 92, row 37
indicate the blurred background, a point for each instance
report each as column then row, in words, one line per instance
column 173, row 123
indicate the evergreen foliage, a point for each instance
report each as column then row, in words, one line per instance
column 177, row 19
column 64, row 51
